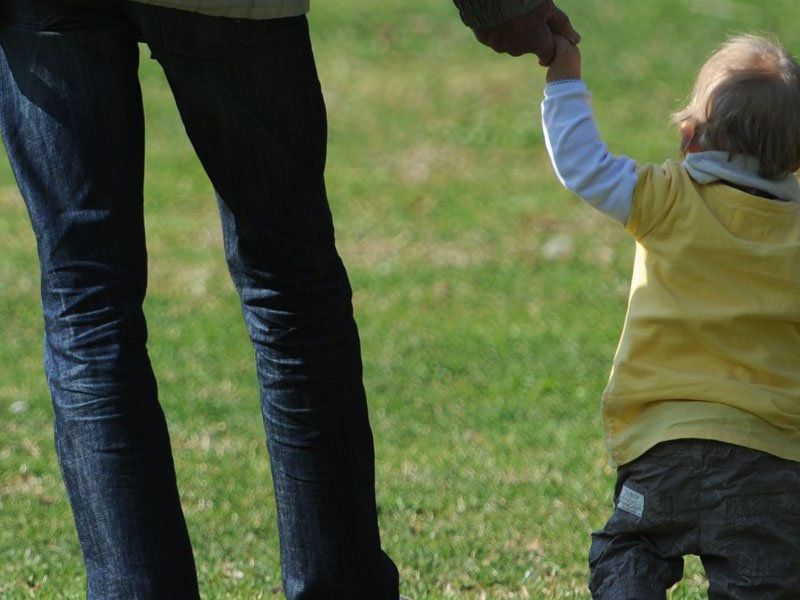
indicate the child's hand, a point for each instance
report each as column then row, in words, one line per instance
column 566, row 63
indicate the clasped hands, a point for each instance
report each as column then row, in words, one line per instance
column 532, row 33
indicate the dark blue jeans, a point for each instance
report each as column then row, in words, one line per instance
column 249, row 97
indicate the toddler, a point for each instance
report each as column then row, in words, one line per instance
column 702, row 408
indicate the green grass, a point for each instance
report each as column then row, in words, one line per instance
column 484, row 358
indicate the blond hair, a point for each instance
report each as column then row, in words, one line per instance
column 746, row 100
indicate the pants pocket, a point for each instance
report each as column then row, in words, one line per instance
column 196, row 35
column 33, row 14
column 763, row 534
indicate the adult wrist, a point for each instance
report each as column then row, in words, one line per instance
column 480, row 14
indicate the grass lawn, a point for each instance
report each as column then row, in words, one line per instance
column 489, row 302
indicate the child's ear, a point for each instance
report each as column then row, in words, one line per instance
column 688, row 142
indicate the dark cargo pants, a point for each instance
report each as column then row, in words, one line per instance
column 737, row 509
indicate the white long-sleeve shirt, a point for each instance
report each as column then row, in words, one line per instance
column 580, row 158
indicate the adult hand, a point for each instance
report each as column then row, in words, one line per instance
column 531, row 33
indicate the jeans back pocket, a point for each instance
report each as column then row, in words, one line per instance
column 196, row 35
column 33, row 14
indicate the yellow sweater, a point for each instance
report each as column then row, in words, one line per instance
column 711, row 342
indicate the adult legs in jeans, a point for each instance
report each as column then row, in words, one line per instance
column 71, row 120
column 250, row 99
column 249, row 96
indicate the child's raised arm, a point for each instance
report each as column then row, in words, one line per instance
column 580, row 158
